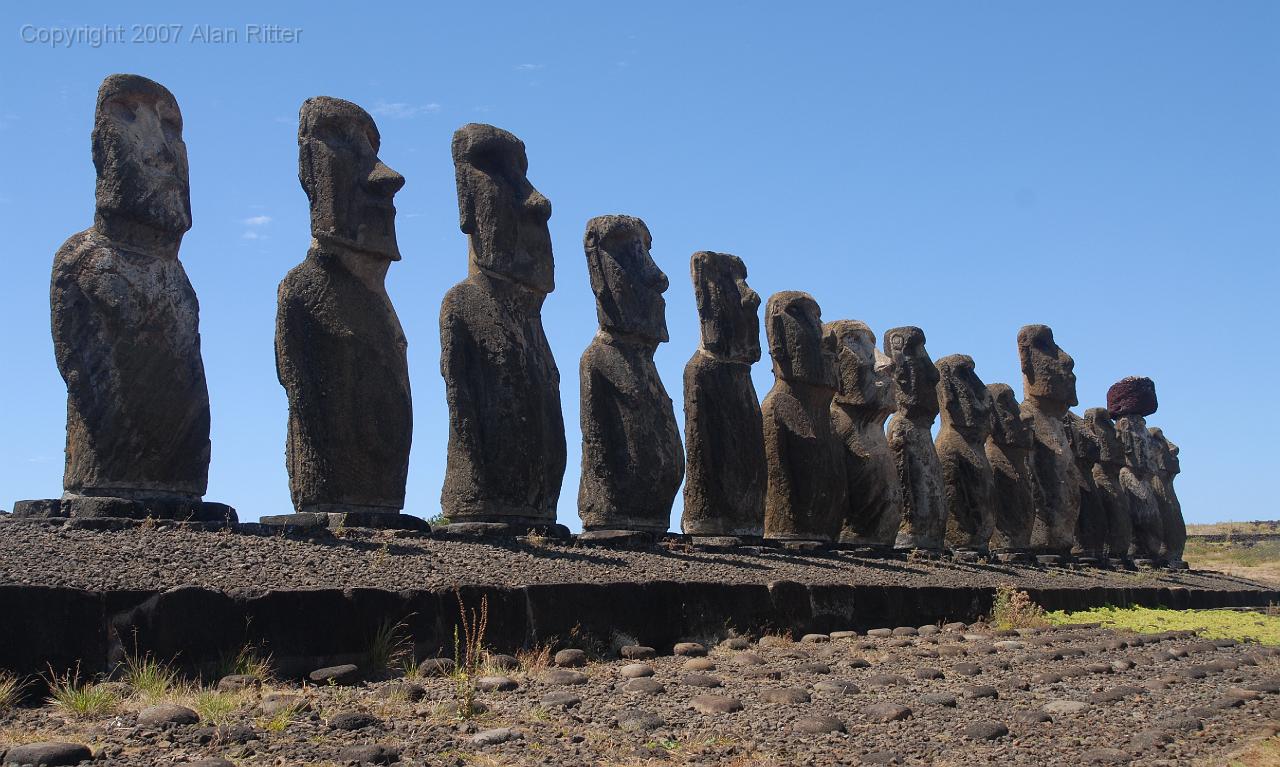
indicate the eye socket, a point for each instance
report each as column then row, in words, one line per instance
column 488, row 162
column 121, row 111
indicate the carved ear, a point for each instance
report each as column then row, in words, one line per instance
column 306, row 169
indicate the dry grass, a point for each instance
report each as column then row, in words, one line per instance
column 1234, row 528
column 12, row 689
column 534, row 659
column 1256, row 561
column 1013, row 609
column 1262, row 752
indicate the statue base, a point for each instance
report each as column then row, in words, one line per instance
column 472, row 531
column 622, row 539
column 78, row 509
column 312, row 522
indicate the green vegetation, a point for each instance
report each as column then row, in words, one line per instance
column 1234, row 552
column 469, row 655
column 1013, row 609
column 248, row 661
column 11, row 690
column 148, row 677
column 216, row 707
column 84, row 699
column 1211, row 624
column 390, row 647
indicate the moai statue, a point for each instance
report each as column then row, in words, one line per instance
column 968, row 483
column 125, row 323
column 1049, row 390
column 340, row 350
column 1106, row 479
column 1010, row 452
column 632, row 459
column 1165, row 467
column 1130, row 401
column 1091, row 524
column 506, row 454
column 726, row 472
column 924, row 513
column 806, row 493
column 864, row 399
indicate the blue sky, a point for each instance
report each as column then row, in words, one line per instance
column 1109, row 169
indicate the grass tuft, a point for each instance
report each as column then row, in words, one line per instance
column 390, row 647
column 80, row 698
column 249, row 661
column 1013, row 609
column 148, row 677
column 12, row 688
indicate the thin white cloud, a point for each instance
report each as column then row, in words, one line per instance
column 257, row 220
column 399, row 110
column 252, row 235
column 255, row 224
column 529, row 67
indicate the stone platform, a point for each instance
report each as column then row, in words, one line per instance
column 72, row 595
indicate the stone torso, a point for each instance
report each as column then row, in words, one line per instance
column 1013, row 495
column 968, row 484
column 1059, row 481
column 1115, row 505
column 875, row 509
column 341, row 356
column 1144, row 509
column 727, row 474
column 919, row 475
column 632, row 458
column 506, row 454
column 127, row 342
column 806, row 493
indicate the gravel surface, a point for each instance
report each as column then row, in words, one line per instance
column 1058, row 696
column 163, row 558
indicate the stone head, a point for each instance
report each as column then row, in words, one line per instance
column 1109, row 450
column 504, row 217
column 728, row 309
column 964, row 400
column 1009, row 428
column 1135, row 442
column 794, row 327
column 1084, row 440
column 1047, row 371
column 886, row 385
column 854, row 347
column 1164, row 453
column 349, row 187
column 627, row 283
column 914, row 373
column 140, row 159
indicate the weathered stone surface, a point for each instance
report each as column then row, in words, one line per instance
column 125, row 318
column 714, row 704
column 1091, row 524
column 494, row 736
column 968, row 483
column 915, row 458
column 1135, row 480
column 818, row 725
column 354, row 720
column 570, row 658
column 345, row 674
column 48, row 754
column 341, row 354
column 506, row 453
column 1009, row 451
column 886, row 712
column 1049, row 390
column 1164, row 467
column 985, row 730
column 726, row 471
column 1106, row 479
column 806, row 495
column 865, row 397
column 1134, row 395
column 369, row 753
column 166, row 714
column 632, row 459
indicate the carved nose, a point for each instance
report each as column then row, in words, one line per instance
column 383, row 181
column 538, row 205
